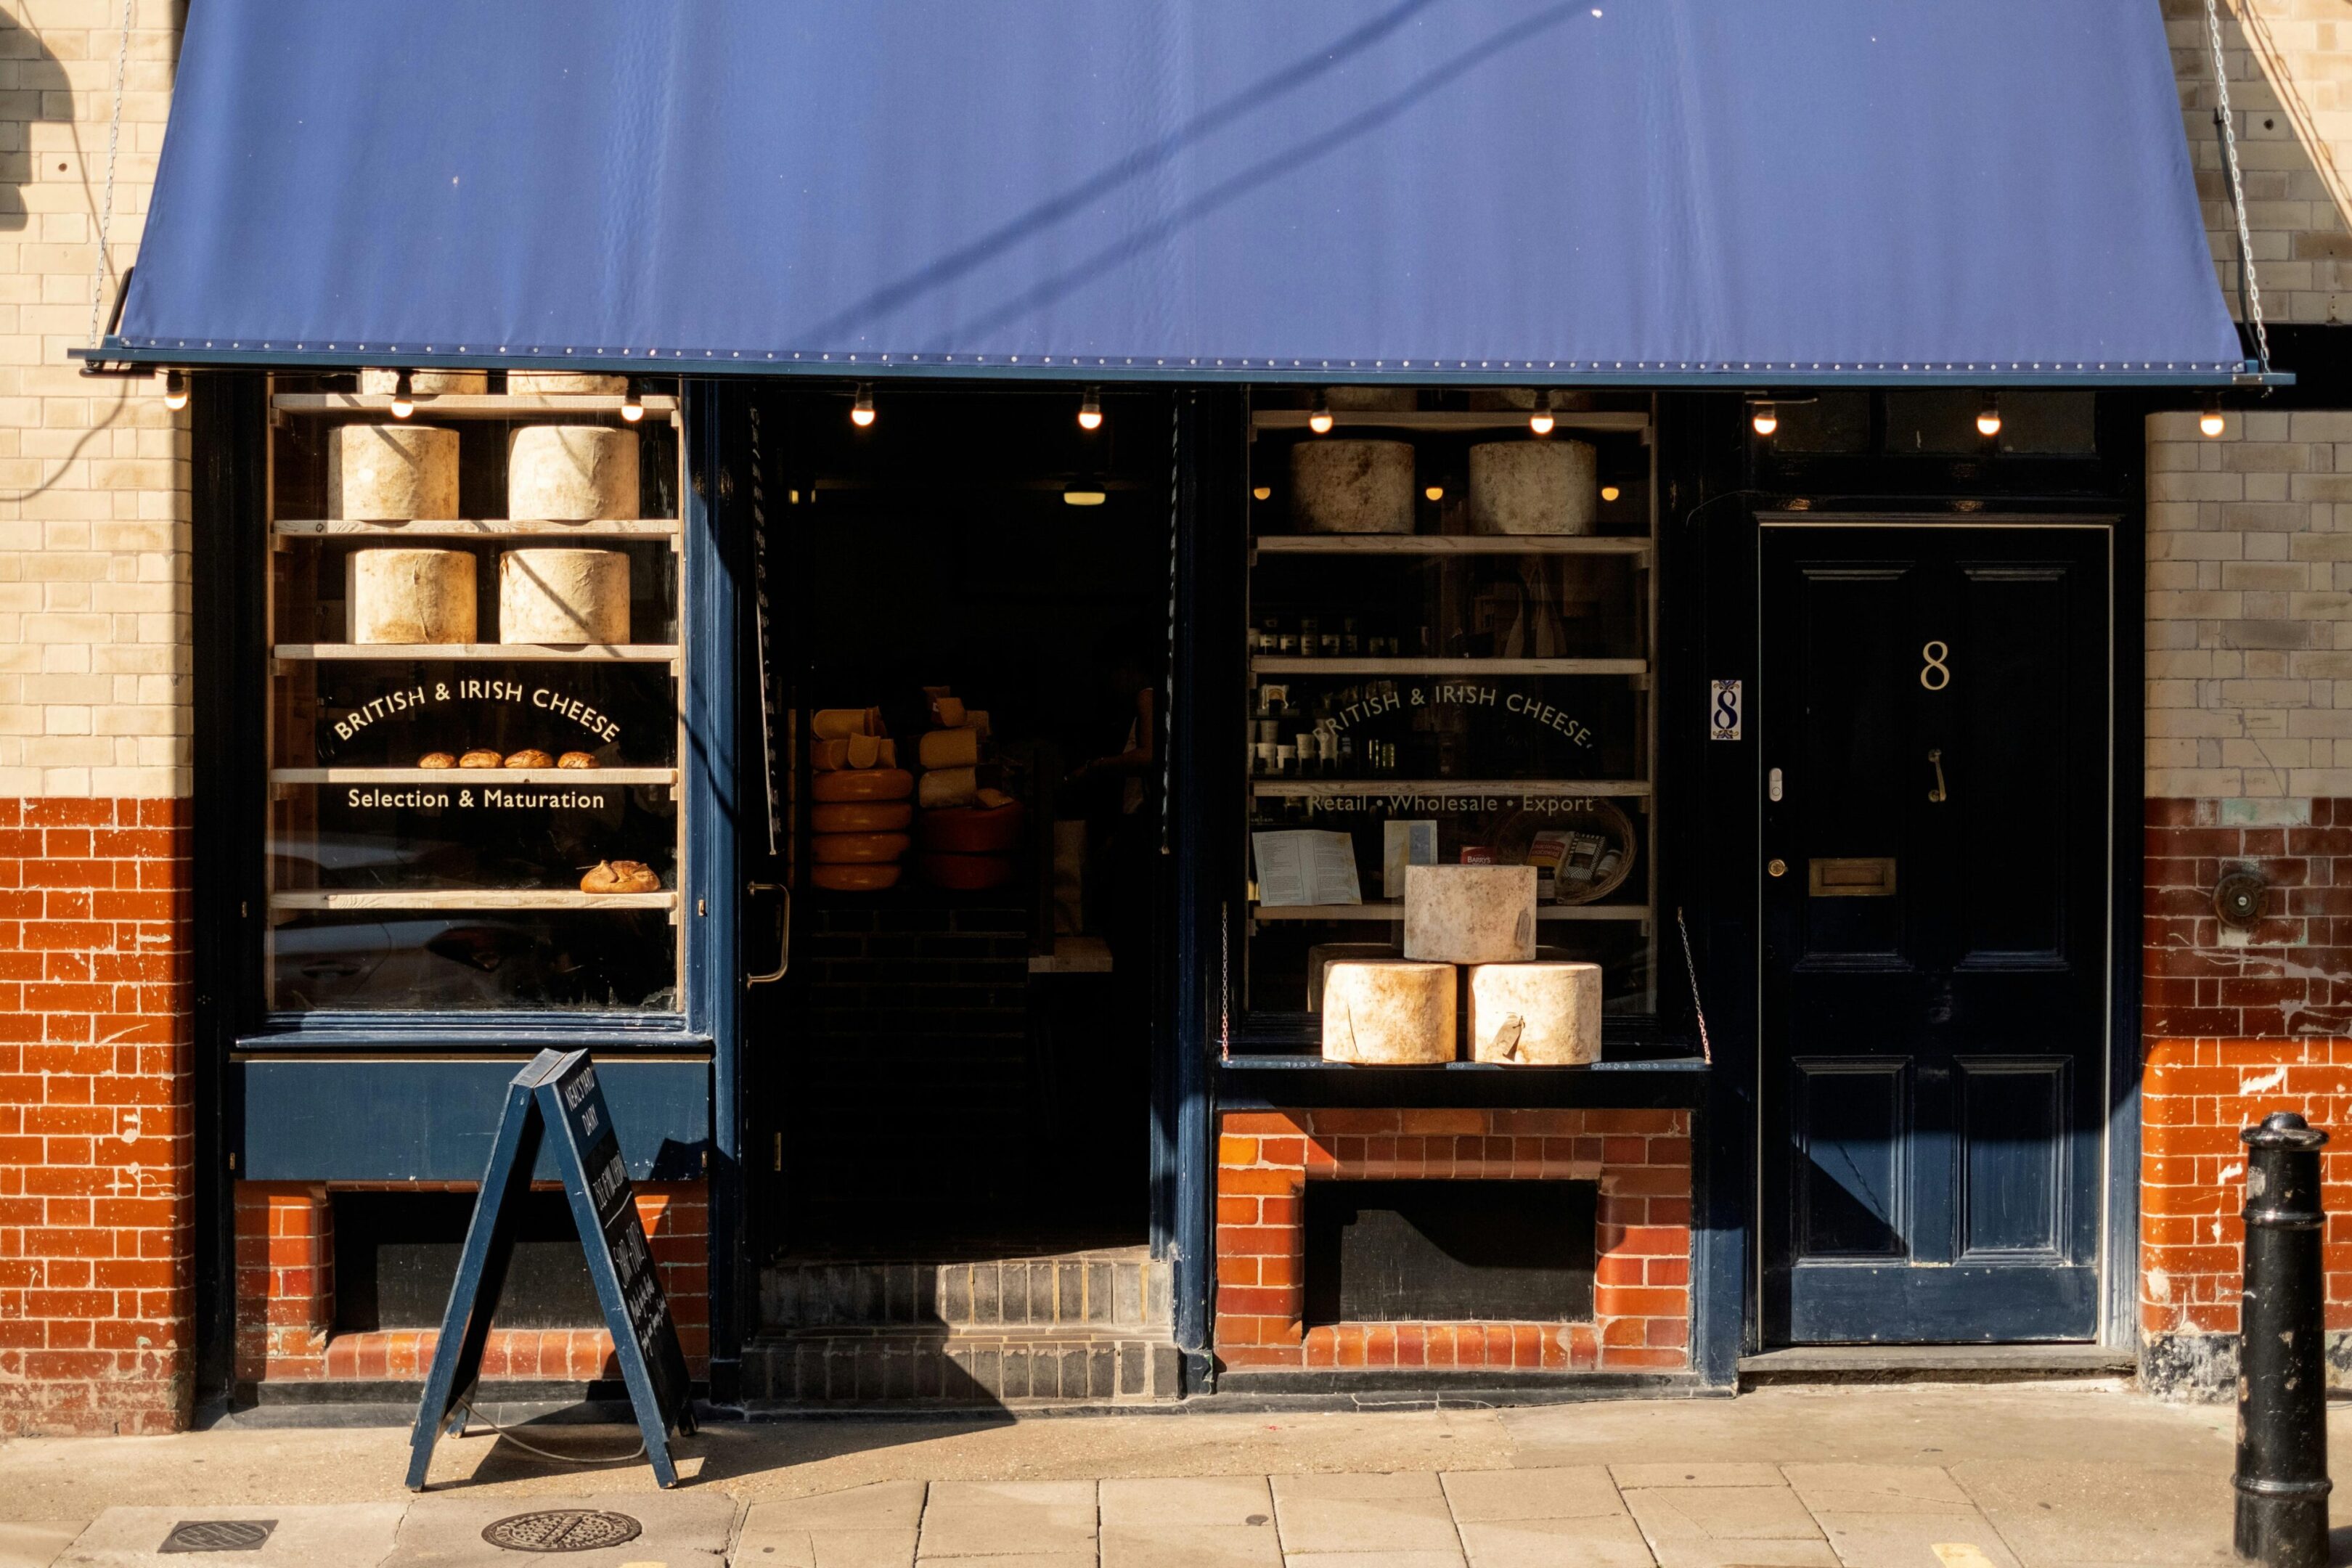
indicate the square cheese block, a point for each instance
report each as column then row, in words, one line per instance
column 1470, row 914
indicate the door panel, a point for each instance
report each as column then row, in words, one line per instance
column 1935, row 700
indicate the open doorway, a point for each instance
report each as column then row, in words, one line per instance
column 965, row 646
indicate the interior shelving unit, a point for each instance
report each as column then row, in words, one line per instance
column 1616, row 561
column 411, row 863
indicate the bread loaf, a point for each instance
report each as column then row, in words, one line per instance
column 436, row 759
column 572, row 472
column 578, row 760
column 563, row 595
column 482, row 757
column 620, row 877
column 530, row 757
column 391, row 473
column 409, row 595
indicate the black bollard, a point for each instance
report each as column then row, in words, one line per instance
column 2282, row 1477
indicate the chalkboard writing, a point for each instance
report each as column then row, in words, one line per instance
column 558, row 1094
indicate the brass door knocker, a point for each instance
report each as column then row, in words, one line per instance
column 1936, row 761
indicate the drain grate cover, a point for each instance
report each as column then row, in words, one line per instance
column 562, row 1530
column 218, row 1534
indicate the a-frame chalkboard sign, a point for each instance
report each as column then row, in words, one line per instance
column 560, row 1092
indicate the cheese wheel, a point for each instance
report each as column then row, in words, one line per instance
column 841, row 848
column 409, row 595
column 389, row 473
column 948, row 748
column 840, row 723
column 1544, row 1012
column 427, row 383
column 862, row 784
column 862, row 816
column 565, row 596
column 864, row 879
column 976, row 720
column 828, row 756
column 574, row 473
column 864, row 751
column 886, row 753
column 972, row 829
column 948, row 786
column 948, row 712
column 1388, row 1010
column 968, row 873
column 540, row 383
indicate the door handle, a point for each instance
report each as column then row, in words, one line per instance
column 1936, row 761
column 783, row 932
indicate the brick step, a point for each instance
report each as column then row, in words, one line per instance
column 1106, row 1288
column 849, row 1368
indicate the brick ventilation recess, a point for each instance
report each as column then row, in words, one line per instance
column 1642, row 1285
column 95, row 1027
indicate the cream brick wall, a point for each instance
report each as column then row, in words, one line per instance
column 2290, row 64
column 94, row 626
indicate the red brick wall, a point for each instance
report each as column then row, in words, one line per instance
column 285, row 1295
column 2236, row 1025
column 95, row 1053
column 1642, row 1288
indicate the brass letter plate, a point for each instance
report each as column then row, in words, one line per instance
column 1852, row 878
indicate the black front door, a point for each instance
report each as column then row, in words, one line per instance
column 1934, row 715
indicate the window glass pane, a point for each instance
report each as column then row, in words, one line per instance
column 1832, row 421
column 2051, row 422
column 1941, row 420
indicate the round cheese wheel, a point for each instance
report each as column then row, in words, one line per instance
column 845, row 848
column 862, row 816
column 853, row 878
column 948, row 748
column 972, row 829
column 944, row 787
column 862, row 784
column 968, row 873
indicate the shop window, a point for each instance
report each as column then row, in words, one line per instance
column 1833, row 421
column 474, row 705
column 1451, row 640
column 1942, row 421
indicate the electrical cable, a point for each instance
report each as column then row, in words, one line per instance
column 474, row 1415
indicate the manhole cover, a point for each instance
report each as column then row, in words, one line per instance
column 218, row 1534
column 562, row 1530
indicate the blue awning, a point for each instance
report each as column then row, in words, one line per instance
column 1620, row 191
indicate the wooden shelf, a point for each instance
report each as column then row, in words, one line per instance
column 1547, row 789
column 474, row 776
column 492, row 653
column 1298, row 664
column 1544, row 912
column 469, row 406
column 1448, row 420
column 470, row 898
column 1449, row 545
column 478, row 527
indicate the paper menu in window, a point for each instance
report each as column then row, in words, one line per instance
column 1303, row 867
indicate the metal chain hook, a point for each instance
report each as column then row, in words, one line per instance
column 2246, row 272
column 106, row 206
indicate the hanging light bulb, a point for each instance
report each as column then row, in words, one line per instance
column 175, row 389
column 2210, row 423
column 404, row 396
column 1541, row 421
column 1262, row 492
column 1989, row 416
column 1318, row 419
column 1435, row 492
column 1090, row 409
column 861, row 412
column 1765, row 418
column 632, row 406
column 1084, row 492
column 1610, row 492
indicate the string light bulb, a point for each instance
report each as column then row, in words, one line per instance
column 1765, row 419
column 1318, row 419
column 404, row 396
column 2210, row 423
column 1084, row 493
column 1989, row 416
column 632, row 407
column 175, row 389
column 1541, row 421
column 1262, row 492
column 1090, row 409
column 1435, row 492
column 1610, row 492
column 861, row 410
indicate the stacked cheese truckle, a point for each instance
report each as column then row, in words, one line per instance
column 1522, row 1010
column 862, row 812
column 968, row 827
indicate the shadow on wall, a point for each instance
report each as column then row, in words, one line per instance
column 33, row 87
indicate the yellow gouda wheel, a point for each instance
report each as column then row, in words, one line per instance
column 862, row 816
column 844, row 849
column 868, row 783
column 853, row 878
column 840, row 723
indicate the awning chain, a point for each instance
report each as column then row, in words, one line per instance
column 106, row 207
column 2248, row 282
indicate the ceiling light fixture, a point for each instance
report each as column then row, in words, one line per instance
column 2210, row 423
column 1318, row 419
column 1541, row 421
column 1989, row 416
column 1764, row 418
column 1435, row 492
column 175, row 389
column 1084, row 492
column 861, row 410
column 1090, row 409
column 404, row 396
column 632, row 407
column 1610, row 492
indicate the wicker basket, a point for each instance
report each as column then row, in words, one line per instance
column 1517, row 835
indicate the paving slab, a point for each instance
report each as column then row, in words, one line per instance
column 1005, row 1520
column 1589, row 1542
column 1185, row 1502
column 676, row 1530
column 1400, row 1512
column 36, row 1543
column 1877, row 1488
column 354, row 1536
column 1373, row 1559
column 1698, row 1475
column 1889, row 1540
column 1728, row 1526
column 2078, row 1513
column 1565, row 1491
column 859, row 1527
column 1192, row 1546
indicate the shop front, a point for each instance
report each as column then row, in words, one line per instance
column 1145, row 782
